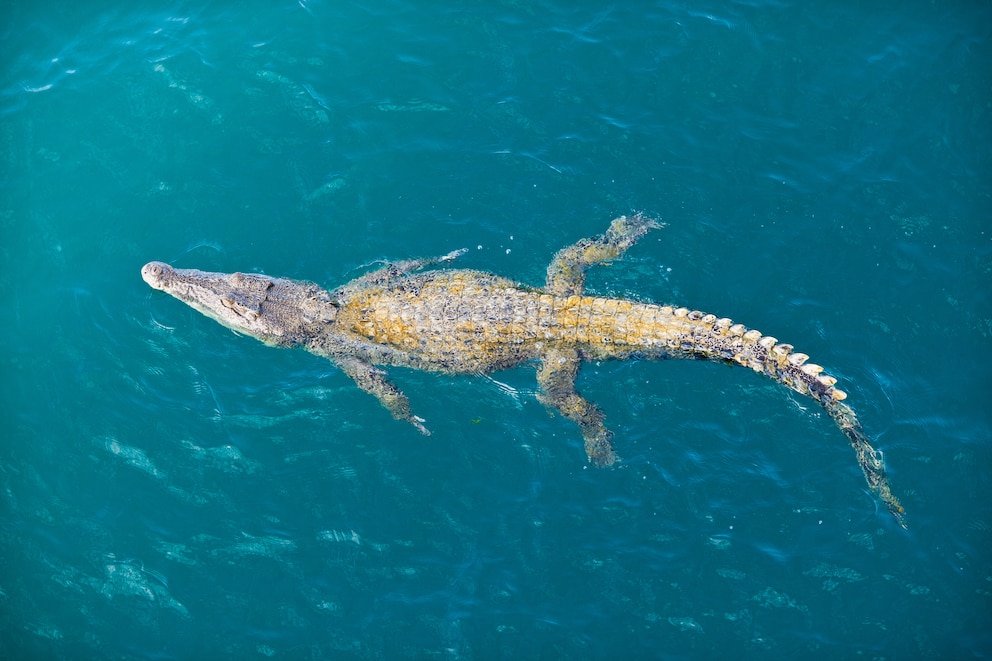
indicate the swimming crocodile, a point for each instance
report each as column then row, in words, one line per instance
column 473, row 322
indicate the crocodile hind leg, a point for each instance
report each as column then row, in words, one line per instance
column 556, row 376
column 567, row 271
column 373, row 381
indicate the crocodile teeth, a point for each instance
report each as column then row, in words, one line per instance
column 812, row 369
column 797, row 359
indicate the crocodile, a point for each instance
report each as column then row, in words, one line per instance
column 461, row 321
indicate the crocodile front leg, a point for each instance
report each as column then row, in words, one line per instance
column 373, row 381
column 392, row 271
column 556, row 376
column 567, row 271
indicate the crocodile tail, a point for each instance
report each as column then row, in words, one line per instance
column 691, row 333
column 869, row 458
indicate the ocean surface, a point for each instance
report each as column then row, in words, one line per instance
column 170, row 490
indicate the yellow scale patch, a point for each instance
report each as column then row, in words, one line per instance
column 586, row 320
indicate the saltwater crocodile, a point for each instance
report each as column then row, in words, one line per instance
column 464, row 321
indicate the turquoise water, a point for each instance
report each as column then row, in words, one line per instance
column 173, row 491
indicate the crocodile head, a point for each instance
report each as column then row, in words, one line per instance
column 274, row 310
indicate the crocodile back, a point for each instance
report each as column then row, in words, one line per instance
column 472, row 321
column 450, row 320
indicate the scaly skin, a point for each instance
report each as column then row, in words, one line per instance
column 462, row 321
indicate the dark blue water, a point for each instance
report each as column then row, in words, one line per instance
column 173, row 491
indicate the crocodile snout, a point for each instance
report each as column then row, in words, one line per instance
column 154, row 273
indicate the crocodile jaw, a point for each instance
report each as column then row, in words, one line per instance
column 220, row 296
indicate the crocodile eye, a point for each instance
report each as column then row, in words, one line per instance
column 227, row 301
